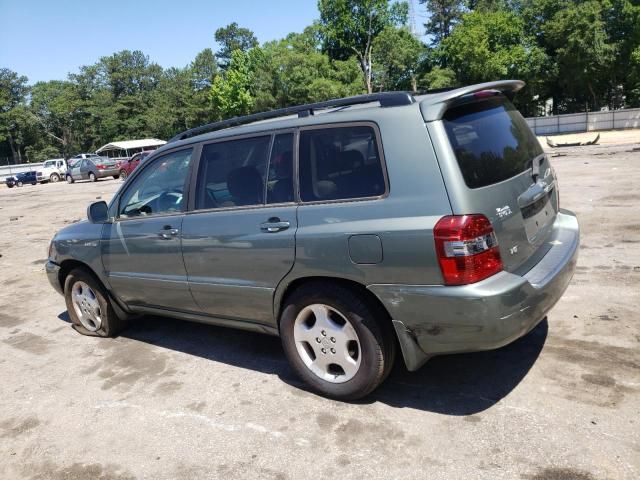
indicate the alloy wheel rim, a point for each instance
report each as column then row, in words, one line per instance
column 86, row 306
column 327, row 343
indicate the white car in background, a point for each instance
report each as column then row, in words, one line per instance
column 52, row 171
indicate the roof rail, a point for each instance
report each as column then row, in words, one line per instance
column 386, row 99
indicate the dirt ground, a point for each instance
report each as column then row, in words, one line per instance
column 174, row 400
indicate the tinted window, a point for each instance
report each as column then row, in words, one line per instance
column 232, row 174
column 491, row 140
column 280, row 178
column 159, row 188
column 340, row 163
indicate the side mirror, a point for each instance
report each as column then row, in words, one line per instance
column 98, row 212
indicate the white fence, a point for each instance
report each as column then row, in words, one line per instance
column 9, row 170
column 585, row 122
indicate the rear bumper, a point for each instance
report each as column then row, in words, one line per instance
column 434, row 320
column 108, row 173
column 53, row 274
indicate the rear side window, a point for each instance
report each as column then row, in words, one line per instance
column 232, row 174
column 491, row 140
column 340, row 163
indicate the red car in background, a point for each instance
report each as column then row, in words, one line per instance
column 128, row 166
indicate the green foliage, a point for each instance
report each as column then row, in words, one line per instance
column 231, row 91
column 443, row 16
column 438, row 77
column 231, row 38
column 397, row 56
column 349, row 27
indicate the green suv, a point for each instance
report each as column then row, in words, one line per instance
column 355, row 229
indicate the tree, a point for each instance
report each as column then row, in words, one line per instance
column 443, row 16
column 438, row 77
column 13, row 115
column 59, row 112
column 231, row 91
column 203, row 69
column 397, row 55
column 294, row 71
column 582, row 50
column 487, row 46
column 231, row 38
column 349, row 27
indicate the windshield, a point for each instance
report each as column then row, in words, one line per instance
column 491, row 140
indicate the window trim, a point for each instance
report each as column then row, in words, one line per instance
column 193, row 186
column 195, row 150
column 383, row 163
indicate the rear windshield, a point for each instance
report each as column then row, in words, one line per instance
column 491, row 140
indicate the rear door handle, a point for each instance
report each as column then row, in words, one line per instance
column 274, row 225
column 168, row 232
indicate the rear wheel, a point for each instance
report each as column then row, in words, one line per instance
column 54, row 178
column 92, row 177
column 336, row 341
column 123, row 174
column 89, row 305
column 69, row 179
column 19, row 184
column 115, row 177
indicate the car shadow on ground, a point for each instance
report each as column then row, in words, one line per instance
column 462, row 384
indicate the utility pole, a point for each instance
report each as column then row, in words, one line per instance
column 412, row 19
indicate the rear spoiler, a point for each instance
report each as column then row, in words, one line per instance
column 434, row 106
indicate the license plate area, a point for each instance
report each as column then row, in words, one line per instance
column 537, row 216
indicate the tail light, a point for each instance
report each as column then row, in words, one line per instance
column 100, row 167
column 467, row 249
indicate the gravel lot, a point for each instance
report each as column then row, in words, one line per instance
column 171, row 399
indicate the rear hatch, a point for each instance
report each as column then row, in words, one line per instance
column 497, row 167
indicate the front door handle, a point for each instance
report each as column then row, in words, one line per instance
column 168, row 232
column 274, row 225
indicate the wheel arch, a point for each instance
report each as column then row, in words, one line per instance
column 66, row 266
column 285, row 292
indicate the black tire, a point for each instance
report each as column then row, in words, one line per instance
column 70, row 179
column 19, row 184
column 115, row 177
column 34, row 183
column 93, row 177
column 111, row 324
column 373, row 328
column 123, row 174
column 54, row 178
column 9, row 186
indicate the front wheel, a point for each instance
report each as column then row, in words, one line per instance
column 19, row 184
column 54, row 178
column 337, row 341
column 69, row 179
column 92, row 177
column 89, row 305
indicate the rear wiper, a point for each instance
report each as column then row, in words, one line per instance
column 535, row 166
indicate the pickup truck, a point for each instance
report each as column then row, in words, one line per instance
column 52, row 170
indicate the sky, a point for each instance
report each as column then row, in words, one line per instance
column 47, row 39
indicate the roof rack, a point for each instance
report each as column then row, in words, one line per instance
column 386, row 99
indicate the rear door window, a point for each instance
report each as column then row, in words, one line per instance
column 340, row 163
column 491, row 140
column 280, row 177
column 232, row 173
